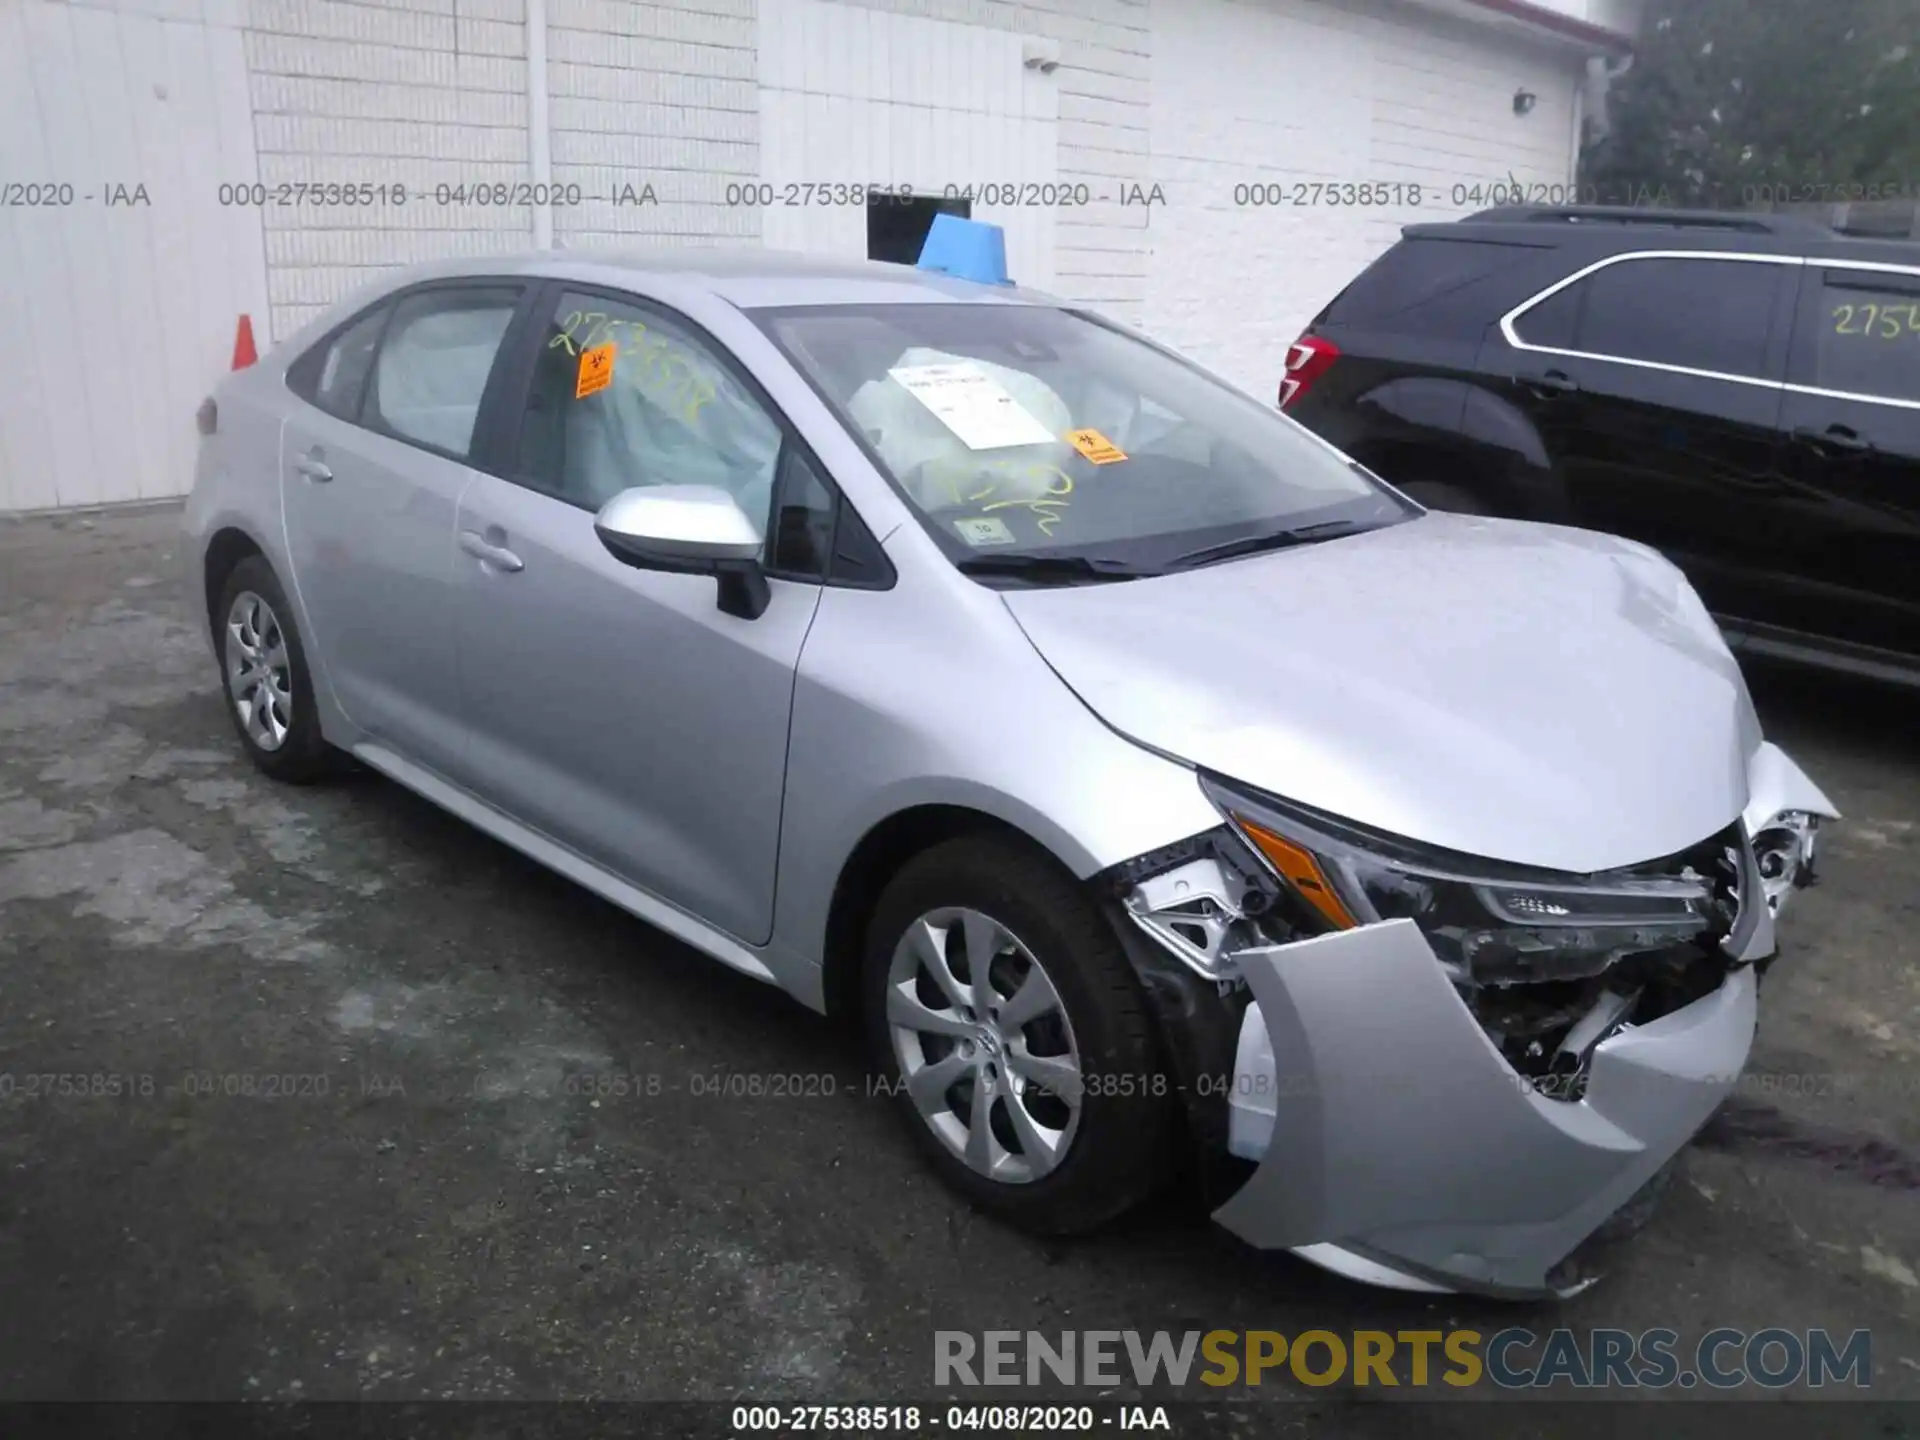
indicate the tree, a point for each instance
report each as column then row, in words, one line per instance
column 1744, row 102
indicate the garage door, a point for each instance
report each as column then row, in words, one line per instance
column 850, row 95
column 121, row 274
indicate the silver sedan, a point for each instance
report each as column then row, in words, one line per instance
column 1150, row 779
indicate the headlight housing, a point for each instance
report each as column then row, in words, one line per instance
column 1490, row 923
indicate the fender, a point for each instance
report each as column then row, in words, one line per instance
column 1778, row 786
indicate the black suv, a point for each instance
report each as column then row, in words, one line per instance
column 1740, row 391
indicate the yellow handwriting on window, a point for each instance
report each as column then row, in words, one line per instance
column 657, row 364
column 971, row 482
column 1877, row 321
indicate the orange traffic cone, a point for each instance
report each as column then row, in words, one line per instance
column 243, row 352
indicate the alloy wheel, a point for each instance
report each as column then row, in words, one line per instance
column 985, row 1049
column 258, row 675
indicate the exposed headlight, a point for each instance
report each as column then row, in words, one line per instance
column 1489, row 922
column 1784, row 849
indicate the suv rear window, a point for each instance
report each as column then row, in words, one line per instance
column 1420, row 275
column 1703, row 314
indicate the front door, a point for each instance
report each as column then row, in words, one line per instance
column 1852, row 422
column 371, row 474
column 620, row 711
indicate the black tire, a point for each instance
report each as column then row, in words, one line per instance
column 304, row 756
column 1120, row 1152
column 1438, row 495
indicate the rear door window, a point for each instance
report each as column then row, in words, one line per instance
column 1866, row 335
column 434, row 362
column 1704, row 314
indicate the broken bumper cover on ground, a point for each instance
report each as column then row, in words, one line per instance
column 1400, row 1146
column 1397, row 1145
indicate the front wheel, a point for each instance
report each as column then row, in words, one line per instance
column 1013, row 1034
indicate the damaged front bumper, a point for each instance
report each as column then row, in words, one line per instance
column 1396, row 1142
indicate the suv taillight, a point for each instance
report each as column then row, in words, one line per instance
column 1308, row 358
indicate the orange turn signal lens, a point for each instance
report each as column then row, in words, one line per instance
column 1302, row 871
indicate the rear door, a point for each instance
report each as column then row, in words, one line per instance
column 1654, row 382
column 371, row 471
column 1852, row 421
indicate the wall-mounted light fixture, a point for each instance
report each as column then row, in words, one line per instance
column 1524, row 101
column 1041, row 55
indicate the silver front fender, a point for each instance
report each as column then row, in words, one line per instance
column 1776, row 786
column 1397, row 1134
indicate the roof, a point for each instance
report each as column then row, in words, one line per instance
column 1625, row 227
column 748, row 278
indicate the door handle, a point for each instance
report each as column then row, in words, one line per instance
column 1554, row 382
column 483, row 550
column 1834, row 437
column 313, row 467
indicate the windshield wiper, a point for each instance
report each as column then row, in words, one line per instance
column 1069, row 569
column 1273, row 540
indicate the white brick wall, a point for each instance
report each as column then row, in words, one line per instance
column 659, row 95
column 409, row 92
column 668, row 94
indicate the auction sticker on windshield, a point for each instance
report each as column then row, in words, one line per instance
column 973, row 405
column 984, row 531
column 1095, row 446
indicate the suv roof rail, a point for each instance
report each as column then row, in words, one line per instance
column 1741, row 221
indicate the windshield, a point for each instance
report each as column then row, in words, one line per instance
column 1019, row 431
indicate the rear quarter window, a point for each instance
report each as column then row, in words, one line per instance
column 1440, row 286
column 333, row 375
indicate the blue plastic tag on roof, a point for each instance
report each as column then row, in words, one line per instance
column 966, row 249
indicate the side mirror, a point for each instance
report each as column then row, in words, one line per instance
column 689, row 530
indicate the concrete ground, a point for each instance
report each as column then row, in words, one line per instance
column 421, row 1197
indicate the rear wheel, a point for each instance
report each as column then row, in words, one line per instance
column 268, row 686
column 1015, row 1039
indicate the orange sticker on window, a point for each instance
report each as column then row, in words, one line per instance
column 596, row 370
column 1095, row 446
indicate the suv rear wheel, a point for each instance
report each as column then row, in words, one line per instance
column 1014, row 1036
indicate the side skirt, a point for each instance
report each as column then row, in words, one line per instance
column 558, row 858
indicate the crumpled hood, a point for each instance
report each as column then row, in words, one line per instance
column 1523, row 692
